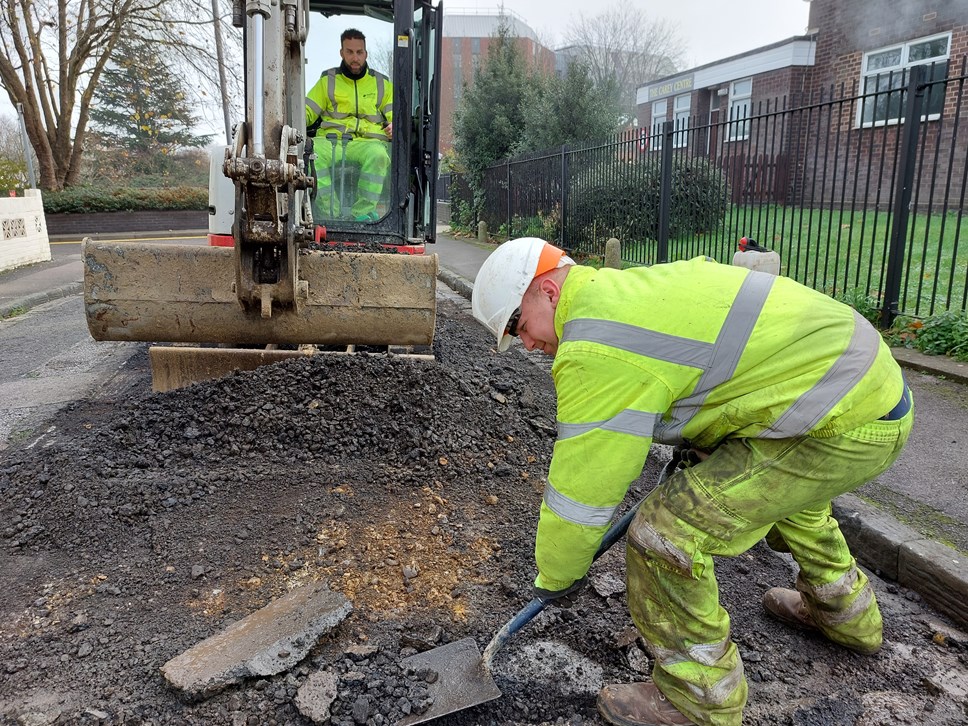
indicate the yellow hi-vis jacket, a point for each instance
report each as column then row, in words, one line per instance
column 361, row 109
column 693, row 352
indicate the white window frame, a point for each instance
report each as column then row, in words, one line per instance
column 681, row 106
column 660, row 110
column 738, row 110
column 899, row 79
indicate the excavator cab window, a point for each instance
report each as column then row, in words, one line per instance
column 351, row 113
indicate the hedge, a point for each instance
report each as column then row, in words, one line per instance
column 85, row 200
column 624, row 202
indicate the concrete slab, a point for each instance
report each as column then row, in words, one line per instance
column 266, row 642
column 938, row 573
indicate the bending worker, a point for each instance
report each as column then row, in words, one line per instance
column 786, row 398
column 351, row 109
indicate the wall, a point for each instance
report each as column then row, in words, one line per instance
column 119, row 222
column 23, row 235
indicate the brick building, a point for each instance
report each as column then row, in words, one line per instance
column 844, row 75
column 466, row 38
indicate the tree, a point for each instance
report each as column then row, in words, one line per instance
column 489, row 121
column 569, row 109
column 623, row 45
column 54, row 53
column 142, row 109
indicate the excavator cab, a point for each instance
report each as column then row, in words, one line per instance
column 298, row 269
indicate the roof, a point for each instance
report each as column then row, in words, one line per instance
column 466, row 24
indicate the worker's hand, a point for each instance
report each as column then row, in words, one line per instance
column 562, row 598
column 389, row 130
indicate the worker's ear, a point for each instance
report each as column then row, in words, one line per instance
column 549, row 287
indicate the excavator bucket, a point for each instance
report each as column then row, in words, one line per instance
column 186, row 294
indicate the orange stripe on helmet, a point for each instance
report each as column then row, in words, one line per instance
column 549, row 258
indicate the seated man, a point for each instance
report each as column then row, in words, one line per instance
column 351, row 108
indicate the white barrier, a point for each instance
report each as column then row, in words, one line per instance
column 23, row 230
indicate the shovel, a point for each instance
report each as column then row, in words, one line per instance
column 464, row 676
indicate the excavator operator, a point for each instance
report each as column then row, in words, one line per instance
column 350, row 110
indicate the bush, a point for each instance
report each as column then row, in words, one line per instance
column 943, row 334
column 85, row 200
column 624, row 202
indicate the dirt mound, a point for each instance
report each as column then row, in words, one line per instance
column 139, row 527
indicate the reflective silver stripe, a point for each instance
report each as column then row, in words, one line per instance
column 705, row 653
column 841, row 587
column 722, row 689
column 636, row 423
column 576, row 512
column 388, row 109
column 631, row 338
column 380, row 88
column 732, row 340
column 374, row 118
column 331, row 87
column 338, row 114
column 647, row 540
column 314, row 107
column 374, row 135
column 367, row 194
column 331, row 125
column 372, row 178
column 843, row 375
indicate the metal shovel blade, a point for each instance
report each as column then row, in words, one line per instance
column 462, row 679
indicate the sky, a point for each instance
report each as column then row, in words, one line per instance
column 710, row 29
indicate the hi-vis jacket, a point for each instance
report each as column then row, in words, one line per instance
column 693, row 352
column 361, row 109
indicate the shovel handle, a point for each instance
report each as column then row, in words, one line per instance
column 526, row 614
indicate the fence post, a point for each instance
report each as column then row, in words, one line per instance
column 902, row 195
column 509, row 197
column 665, row 192
column 564, row 196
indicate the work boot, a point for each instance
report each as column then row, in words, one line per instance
column 788, row 606
column 638, row 704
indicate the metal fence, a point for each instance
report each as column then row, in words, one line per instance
column 860, row 190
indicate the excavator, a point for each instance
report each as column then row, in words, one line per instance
column 289, row 281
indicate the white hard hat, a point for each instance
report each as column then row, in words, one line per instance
column 504, row 278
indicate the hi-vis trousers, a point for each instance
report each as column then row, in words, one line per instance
column 723, row 506
column 335, row 158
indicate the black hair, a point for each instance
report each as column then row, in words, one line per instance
column 352, row 34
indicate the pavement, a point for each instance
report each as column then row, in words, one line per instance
column 932, row 568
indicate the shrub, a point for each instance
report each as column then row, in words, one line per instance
column 624, row 202
column 85, row 200
column 943, row 334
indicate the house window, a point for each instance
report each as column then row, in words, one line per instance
column 740, row 93
column 659, row 110
column 680, row 115
column 885, row 72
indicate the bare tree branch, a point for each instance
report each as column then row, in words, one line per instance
column 54, row 53
column 622, row 44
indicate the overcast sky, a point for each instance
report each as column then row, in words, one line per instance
column 711, row 29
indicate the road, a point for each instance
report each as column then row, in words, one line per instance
column 48, row 359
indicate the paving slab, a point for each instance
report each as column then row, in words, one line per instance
column 266, row 642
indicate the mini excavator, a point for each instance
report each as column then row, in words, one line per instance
column 287, row 278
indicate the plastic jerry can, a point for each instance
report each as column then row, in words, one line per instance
column 754, row 257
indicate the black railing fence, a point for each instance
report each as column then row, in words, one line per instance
column 859, row 192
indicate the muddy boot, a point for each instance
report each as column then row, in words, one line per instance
column 788, row 605
column 638, row 704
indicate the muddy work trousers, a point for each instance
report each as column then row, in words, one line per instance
column 723, row 506
column 338, row 160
